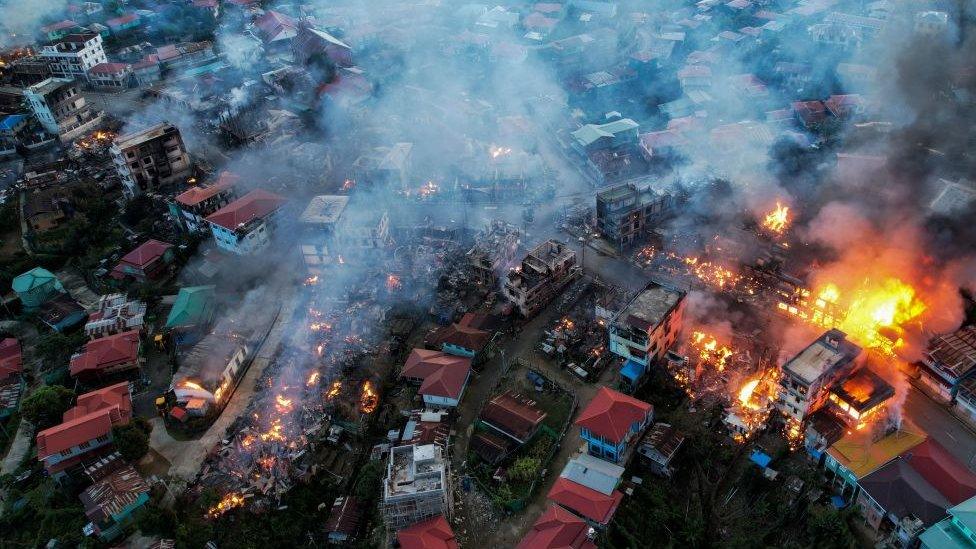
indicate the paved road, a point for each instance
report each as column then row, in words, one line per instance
column 941, row 426
column 18, row 448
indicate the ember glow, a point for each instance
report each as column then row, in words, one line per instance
column 711, row 274
column 283, row 405
column 709, row 351
column 313, row 378
column 312, row 280
column 874, row 314
column 334, row 390
column 348, row 185
column 393, row 282
column 191, row 385
column 369, row 399
column 428, row 189
column 226, row 503
column 499, row 151
column 778, row 220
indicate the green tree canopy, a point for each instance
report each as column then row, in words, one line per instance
column 45, row 406
column 131, row 441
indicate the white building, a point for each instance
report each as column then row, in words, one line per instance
column 61, row 109
column 245, row 225
column 210, row 369
column 110, row 76
column 319, row 224
column 646, row 328
column 74, row 55
column 808, row 376
column 415, row 487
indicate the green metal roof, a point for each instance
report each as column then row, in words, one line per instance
column 591, row 132
column 33, row 278
column 193, row 305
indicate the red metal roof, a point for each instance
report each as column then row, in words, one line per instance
column 122, row 20
column 273, row 24
column 446, row 382
column 60, row 25
column 424, row 362
column 93, row 416
column 148, row 252
column 196, row 195
column 516, row 415
column 465, row 337
column 943, row 471
column 610, row 414
column 557, row 528
column 587, row 502
column 256, row 204
column 435, row 533
column 108, row 68
column 11, row 360
column 107, row 352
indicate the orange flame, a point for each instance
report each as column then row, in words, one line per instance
column 778, row 220
column 228, row 502
column 369, row 399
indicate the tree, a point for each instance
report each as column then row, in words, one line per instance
column 131, row 442
column 55, row 349
column 831, row 529
column 154, row 520
column 45, row 406
column 367, row 485
column 524, row 469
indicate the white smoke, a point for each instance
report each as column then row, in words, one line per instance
column 20, row 20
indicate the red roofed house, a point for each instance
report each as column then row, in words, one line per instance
column 611, row 421
column 597, row 508
column 275, row 28
column 558, row 529
column 86, row 429
column 921, row 483
column 11, row 361
column 124, row 22
column 147, row 262
column 107, row 355
column 462, row 340
column 513, row 415
column 196, row 203
column 442, row 377
column 310, row 42
column 110, row 75
column 435, row 533
column 845, row 106
column 809, row 113
column 245, row 225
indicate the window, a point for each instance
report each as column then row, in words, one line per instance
column 66, row 452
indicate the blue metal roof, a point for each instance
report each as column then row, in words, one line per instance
column 632, row 370
column 760, row 458
column 11, row 120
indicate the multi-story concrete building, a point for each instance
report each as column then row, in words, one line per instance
column 544, row 272
column 808, row 376
column 625, row 213
column 61, row 109
column 645, row 329
column 150, row 158
column 245, row 225
column 494, row 252
column 111, row 76
column 74, row 55
column 415, row 487
column 193, row 205
column 319, row 224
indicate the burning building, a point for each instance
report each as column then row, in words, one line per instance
column 646, row 328
column 544, row 272
column 860, row 397
column 415, row 487
column 625, row 213
column 808, row 376
column 209, row 371
column 150, row 158
column 193, row 205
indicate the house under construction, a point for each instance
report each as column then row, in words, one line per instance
column 415, row 487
